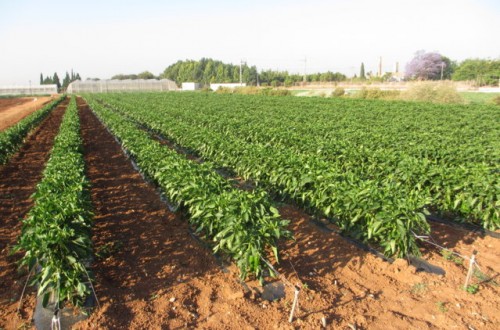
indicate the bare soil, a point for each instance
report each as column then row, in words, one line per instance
column 18, row 179
column 13, row 110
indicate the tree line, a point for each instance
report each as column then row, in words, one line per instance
column 54, row 80
column 208, row 71
column 424, row 66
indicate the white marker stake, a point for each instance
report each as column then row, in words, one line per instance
column 472, row 261
column 294, row 306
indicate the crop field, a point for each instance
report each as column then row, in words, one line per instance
column 184, row 209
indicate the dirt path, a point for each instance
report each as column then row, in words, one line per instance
column 18, row 179
column 13, row 110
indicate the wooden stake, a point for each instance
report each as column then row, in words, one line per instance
column 472, row 261
column 294, row 306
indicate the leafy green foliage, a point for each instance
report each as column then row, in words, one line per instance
column 55, row 236
column 208, row 71
column 241, row 224
column 482, row 71
column 374, row 167
column 472, row 288
column 12, row 138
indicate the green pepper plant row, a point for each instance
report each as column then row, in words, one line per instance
column 12, row 138
column 56, row 233
column 242, row 224
column 401, row 179
column 378, row 210
column 451, row 153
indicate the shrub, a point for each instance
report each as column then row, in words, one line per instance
column 247, row 90
column 275, row 92
column 338, row 92
column 377, row 94
column 432, row 92
column 224, row 90
column 253, row 90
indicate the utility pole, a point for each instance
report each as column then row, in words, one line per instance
column 380, row 67
column 241, row 71
column 442, row 68
column 241, row 79
column 305, row 69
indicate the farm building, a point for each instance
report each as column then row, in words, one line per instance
column 136, row 85
column 191, row 86
column 215, row 87
column 28, row 90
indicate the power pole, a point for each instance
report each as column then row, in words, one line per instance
column 305, row 69
column 241, row 79
column 442, row 67
column 241, row 71
column 380, row 67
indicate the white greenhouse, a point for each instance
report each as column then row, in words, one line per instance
column 109, row 86
column 28, row 90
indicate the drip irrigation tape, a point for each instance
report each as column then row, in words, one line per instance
column 465, row 226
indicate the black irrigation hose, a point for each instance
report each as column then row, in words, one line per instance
column 465, row 226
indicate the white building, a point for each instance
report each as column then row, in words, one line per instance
column 191, row 86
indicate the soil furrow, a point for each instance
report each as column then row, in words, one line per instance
column 18, row 179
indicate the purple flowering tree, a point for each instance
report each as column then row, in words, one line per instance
column 425, row 66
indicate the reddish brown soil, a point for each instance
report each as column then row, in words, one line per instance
column 18, row 179
column 13, row 102
column 15, row 109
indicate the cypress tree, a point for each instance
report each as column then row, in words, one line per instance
column 56, row 81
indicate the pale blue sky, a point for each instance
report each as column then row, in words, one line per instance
column 103, row 38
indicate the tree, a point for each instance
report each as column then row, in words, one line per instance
column 41, row 79
column 449, row 67
column 362, row 72
column 56, row 81
column 66, row 81
column 146, row 75
column 426, row 66
column 482, row 71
